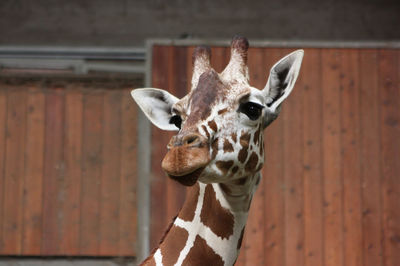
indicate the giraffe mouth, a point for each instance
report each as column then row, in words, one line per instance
column 185, row 164
column 188, row 179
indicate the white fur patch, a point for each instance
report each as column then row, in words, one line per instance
column 158, row 257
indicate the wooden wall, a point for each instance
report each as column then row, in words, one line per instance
column 67, row 171
column 330, row 193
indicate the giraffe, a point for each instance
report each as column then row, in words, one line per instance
column 217, row 153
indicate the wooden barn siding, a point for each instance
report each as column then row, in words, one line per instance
column 67, row 171
column 330, row 193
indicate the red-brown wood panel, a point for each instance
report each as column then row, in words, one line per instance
column 370, row 152
column 219, row 58
column 61, row 192
column 91, row 172
column 127, row 208
column 3, row 128
column 14, row 172
column 70, row 234
column 390, row 147
column 33, row 178
column 350, row 141
column 312, row 154
column 110, row 173
column 332, row 169
column 53, row 172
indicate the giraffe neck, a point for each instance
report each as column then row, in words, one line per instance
column 208, row 229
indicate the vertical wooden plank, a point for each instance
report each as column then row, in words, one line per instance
column 3, row 128
column 254, row 241
column 189, row 67
column 110, row 174
column 370, row 151
column 53, row 172
column 33, row 177
column 219, row 58
column 159, row 139
column 350, row 135
column 69, row 243
column 182, row 71
column 292, row 115
column 273, row 181
column 333, row 183
column 312, row 154
column 127, row 210
column 390, row 148
column 14, row 172
column 91, row 172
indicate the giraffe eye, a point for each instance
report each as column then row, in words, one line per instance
column 252, row 110
column 176, row 120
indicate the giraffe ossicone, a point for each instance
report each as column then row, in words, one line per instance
column 218, row 152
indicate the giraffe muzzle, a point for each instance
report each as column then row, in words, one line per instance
column 187, row 156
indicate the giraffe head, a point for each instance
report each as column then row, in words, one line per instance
column 220, row 122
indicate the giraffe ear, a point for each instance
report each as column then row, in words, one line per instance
column 280, row 83
column 157, row 105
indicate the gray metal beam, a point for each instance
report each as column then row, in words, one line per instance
column 144, row 177
column 98, row 53
column 280, row 43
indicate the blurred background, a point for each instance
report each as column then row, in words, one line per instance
column 80, row 176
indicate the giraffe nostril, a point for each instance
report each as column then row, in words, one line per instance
column 191, row 140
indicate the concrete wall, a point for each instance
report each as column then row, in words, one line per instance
column 129, row 23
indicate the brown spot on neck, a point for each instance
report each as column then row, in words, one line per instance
column 214, row 147
column 173, row 244
column 244, row 142
column 213, row 125
column 244, row 139
column 234, row 136
column 224, row 166
column 220, row 112
column 187, row 211
column 252, row 162
column 216, row 217
column 242, row 156
column 227, row 146
column 201, row 254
